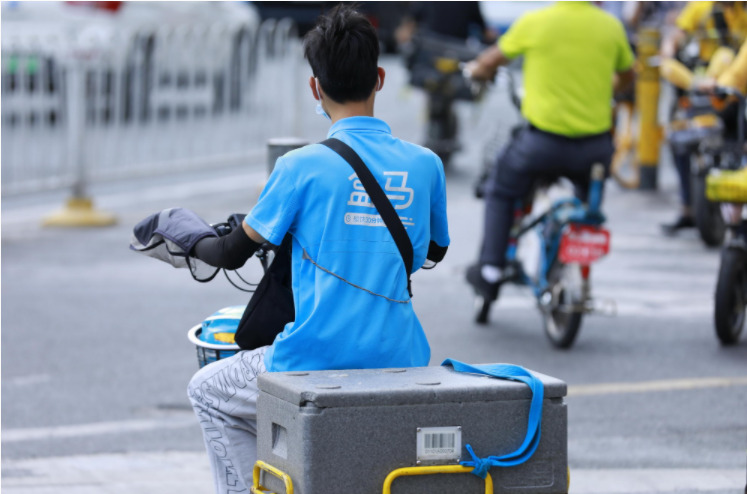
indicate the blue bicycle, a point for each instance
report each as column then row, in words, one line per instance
column 571, row 238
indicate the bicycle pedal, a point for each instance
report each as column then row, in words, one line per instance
column 512, row 272
column 602, row 307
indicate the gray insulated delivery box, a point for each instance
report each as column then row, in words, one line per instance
column 343, row 432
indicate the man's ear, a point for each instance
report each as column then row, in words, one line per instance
column 382, row 75
column 312, row 85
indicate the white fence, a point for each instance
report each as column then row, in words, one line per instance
column 144, row 103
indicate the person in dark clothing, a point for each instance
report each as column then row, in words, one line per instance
column 455, row 19
column 459, row 20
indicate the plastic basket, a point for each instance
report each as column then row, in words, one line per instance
column 214, row 337
column 208, row 353
column 727, row 186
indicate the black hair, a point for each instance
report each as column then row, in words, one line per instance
column 343, row 51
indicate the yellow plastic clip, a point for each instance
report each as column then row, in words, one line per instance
column 402, row 472
column 447, row 65
column 258, row 488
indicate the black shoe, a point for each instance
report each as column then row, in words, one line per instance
column 681, row 223
column 482, row 287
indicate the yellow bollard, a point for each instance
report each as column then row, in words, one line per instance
column 79, row 212
column 647, row 107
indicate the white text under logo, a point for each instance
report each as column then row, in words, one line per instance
column 396, row 191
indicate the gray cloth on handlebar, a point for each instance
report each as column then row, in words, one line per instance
column 170, row 236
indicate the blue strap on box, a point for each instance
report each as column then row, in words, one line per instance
column 532, row 438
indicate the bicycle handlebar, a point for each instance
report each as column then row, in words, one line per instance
column 724, row 92
column 719, row 92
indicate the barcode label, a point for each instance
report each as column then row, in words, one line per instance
column 439, row 444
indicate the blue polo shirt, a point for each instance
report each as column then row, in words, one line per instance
column 314, row 195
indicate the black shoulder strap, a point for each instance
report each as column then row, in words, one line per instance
column 380, row 201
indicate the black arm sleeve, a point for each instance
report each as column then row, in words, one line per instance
column 436, row 253
column 230, row 251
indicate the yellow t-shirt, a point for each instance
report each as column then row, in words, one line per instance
column 696, row 19
column 571, row 52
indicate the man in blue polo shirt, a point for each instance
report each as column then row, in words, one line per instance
column 350, row 288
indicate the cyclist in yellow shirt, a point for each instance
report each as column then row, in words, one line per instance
column 714, row 24
column 572, row 51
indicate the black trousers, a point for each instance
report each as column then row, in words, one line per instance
column 681, row 160
column 531, row 156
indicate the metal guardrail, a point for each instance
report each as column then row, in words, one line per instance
column 143, row 103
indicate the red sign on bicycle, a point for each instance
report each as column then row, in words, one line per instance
column 583, row 244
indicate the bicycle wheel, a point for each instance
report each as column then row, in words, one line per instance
column 731, row 295
column 442, row 130
column 562, row 304
column 708, row 218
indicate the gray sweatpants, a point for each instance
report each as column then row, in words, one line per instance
column 224, row 398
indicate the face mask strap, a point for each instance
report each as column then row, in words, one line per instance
column 319, row 108
column 318, row 88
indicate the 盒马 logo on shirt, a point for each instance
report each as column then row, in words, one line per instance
column 396, row 191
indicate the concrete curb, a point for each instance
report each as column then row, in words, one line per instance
column 189, row 473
